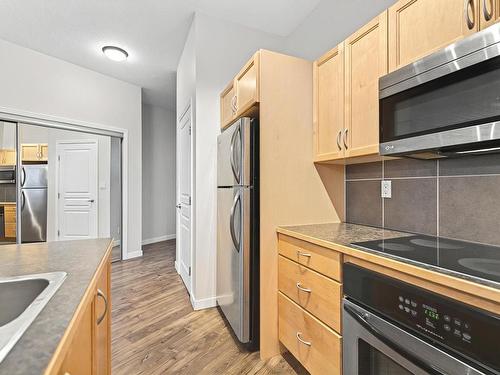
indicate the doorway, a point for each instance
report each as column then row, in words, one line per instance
column 184, row 198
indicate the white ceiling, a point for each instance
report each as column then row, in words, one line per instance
column 152, row 31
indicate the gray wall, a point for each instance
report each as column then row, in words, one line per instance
column 454, row 198
column 158, row 177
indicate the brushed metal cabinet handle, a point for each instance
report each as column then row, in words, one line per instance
column 300, row 287
column 338, row 140
column 487, row 15
column 345, row 138
column 299, row 337
column 470, row 22
column 302, row 254
column 101, row 294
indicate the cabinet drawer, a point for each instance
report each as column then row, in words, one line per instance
column 325, row 261
column 314, row 292
column 323, row 355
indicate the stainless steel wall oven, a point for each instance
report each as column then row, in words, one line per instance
column 391, row 327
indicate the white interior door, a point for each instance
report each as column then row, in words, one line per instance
column 77, row 179
column 184, row 204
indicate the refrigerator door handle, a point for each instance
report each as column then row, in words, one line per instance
column 237, row 199
column 23, row 179
column 236, row 172
column 23, row 200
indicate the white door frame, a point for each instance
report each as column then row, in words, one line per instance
column 30, row 118
column 188, row 107
column 72, row 142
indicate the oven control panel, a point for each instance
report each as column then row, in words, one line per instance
column 469, row 332
column 433, row 320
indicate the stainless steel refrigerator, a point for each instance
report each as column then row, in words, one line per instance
column 34, row 203
column 238, row 229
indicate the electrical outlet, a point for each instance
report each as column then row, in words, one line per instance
column 386, row 189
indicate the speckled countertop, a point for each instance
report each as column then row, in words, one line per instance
column 80, row 260
column 345, row 234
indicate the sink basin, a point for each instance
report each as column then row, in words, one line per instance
column 21, row 300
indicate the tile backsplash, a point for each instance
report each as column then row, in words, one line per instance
column 455, row 198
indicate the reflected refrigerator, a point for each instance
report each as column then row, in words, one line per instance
column 33, row 203
column 238, row 229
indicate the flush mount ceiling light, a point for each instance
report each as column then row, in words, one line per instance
column 115, row 53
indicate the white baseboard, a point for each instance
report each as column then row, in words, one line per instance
column 149, row 241
column 176, row 265
column 133, row 254
column 205, row 303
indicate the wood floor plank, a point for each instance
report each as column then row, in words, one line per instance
column 155, row 331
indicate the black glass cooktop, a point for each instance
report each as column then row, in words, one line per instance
column 467, row 258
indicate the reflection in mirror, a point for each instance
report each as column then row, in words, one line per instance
column 7, row 183
column 71, row 186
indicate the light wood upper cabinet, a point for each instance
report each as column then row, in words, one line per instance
column 242, row 93
column 365, row 62
column 227, row 105
column 7, row 157
column 34, row 152
column 420, row 27
column 328, row 101
column 488, row 12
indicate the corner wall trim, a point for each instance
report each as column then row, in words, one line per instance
column 133, row 254
column 205, row 303
column 149, row 241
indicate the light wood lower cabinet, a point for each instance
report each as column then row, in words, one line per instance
column 309, row 308
column 10, row 220
column 314, row 292
column 315, row 345
column 86, row 346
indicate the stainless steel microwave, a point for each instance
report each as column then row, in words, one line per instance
column 7, row 174
column 446, row 104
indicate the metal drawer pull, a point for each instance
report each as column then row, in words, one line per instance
column 487, row 15
column 301, row 254
column 308, row 343
column 101, row 294
column 300, row 287
column 470, row 22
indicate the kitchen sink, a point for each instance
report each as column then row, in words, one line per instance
column 21, row 300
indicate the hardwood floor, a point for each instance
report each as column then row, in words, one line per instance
column 156, row 331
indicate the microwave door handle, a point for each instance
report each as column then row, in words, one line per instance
column 362, row 318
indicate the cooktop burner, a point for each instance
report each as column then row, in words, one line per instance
column 459, row 256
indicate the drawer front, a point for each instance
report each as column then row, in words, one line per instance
column 325, row 261
column 314, row 292
column 323, row 355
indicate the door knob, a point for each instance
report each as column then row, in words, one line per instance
column 178, row 205
column 91, row 201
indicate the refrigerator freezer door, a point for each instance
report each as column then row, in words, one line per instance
column 233, row 154
column 33, row 215
column 233, row 258
column 34, row 176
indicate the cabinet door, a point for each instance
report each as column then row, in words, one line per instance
column 9, row 157
column 227, row 105
column 247, row 85
column 102, row 323
column 29, row 152
column 488, row 13
column 10, row 220
column 43, row 152
column 419, row 27
column 328, row 98
column 78, row 360
column 365, row 62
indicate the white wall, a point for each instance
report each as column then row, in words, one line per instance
column 217, row 49
column 38, row 134
column 42, row 85
column 115, row 190
column 158, row 173
column 329, row 24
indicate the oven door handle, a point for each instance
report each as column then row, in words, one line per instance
column 362, row 318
